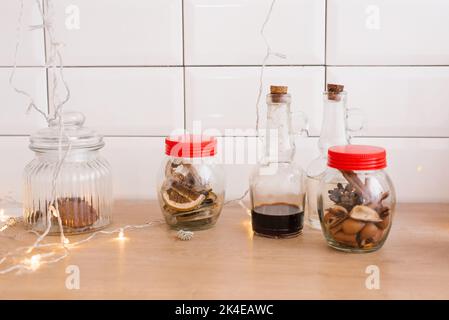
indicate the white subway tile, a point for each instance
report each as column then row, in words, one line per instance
column 14, row 118
column 417, row 167
column 239, row 166
column 400, row 32
column 398, row 101
column 135, row 162
column 224, row 98
column 128, row 101
column 31, row 49
column 15, row 155
column 228, row 32
column 117, row 32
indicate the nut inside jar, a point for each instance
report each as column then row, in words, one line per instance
column 77, row 215
column 359, row 218
column 188, row 200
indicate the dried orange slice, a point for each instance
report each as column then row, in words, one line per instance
column 182, row 199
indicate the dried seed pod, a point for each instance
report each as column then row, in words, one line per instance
column 347, row 239
column 345, row 196
column 334, row 216
column 183, row 173
column 335, row 229
column 351, row 226
column 384, row 223
column 364, row 213
column 368, row 231
column 370, row 234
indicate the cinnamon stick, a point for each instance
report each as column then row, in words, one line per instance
column 355, row 181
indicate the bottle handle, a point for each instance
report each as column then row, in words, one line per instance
column 300, row 123
column 354, row 122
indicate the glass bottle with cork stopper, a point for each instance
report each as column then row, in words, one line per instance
column 276, row 185
column 339, row 123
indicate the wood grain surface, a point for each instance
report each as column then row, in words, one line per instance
column 228, row 262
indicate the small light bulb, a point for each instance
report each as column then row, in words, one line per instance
column 121, row 235
column 3, row 216
column 34, row 262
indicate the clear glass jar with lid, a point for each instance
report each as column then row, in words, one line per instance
column 356, row 199
column 82, row 190
column 191, row 184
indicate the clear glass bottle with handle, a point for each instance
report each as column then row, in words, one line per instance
column 276, row 184
column 338, row 124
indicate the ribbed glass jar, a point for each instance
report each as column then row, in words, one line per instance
column 82, row 191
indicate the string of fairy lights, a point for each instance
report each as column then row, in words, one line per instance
column 269, row 53
column 30, row 258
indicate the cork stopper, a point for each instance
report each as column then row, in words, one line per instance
column 334, row 90
column 278, row 89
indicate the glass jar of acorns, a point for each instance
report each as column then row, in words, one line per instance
column 191, row 185
column 357, row 199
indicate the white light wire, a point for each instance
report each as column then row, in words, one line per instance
column 268, row 54
column 55, row 62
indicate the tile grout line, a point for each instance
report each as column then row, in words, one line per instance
column 325, row 44
column 223, row 136
column 184, row 66
column 183, row 69
column 47, row 86
column 243, row 66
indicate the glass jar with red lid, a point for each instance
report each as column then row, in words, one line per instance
column 191, row 186
column 357, row 198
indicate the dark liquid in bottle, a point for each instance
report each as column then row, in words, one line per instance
column 277, row 220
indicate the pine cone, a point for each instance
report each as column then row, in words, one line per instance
column 346, row 197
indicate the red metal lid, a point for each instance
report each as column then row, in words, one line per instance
column 190, row 146
column 357, row 157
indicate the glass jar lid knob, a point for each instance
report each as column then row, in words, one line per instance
column 75, row 134
column 69, row 119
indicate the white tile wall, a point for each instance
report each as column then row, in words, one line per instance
column 135, row 162
column 214, row 94
column 128, row 101
column 387, row 32
column 221, row 32
column 140, row 68
column 32, row 45
column 14, row 156
column 416, row 165
column 398, row 101
column 14, row 118
column 117, row 32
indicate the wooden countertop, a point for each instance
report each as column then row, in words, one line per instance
column 227, row 262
